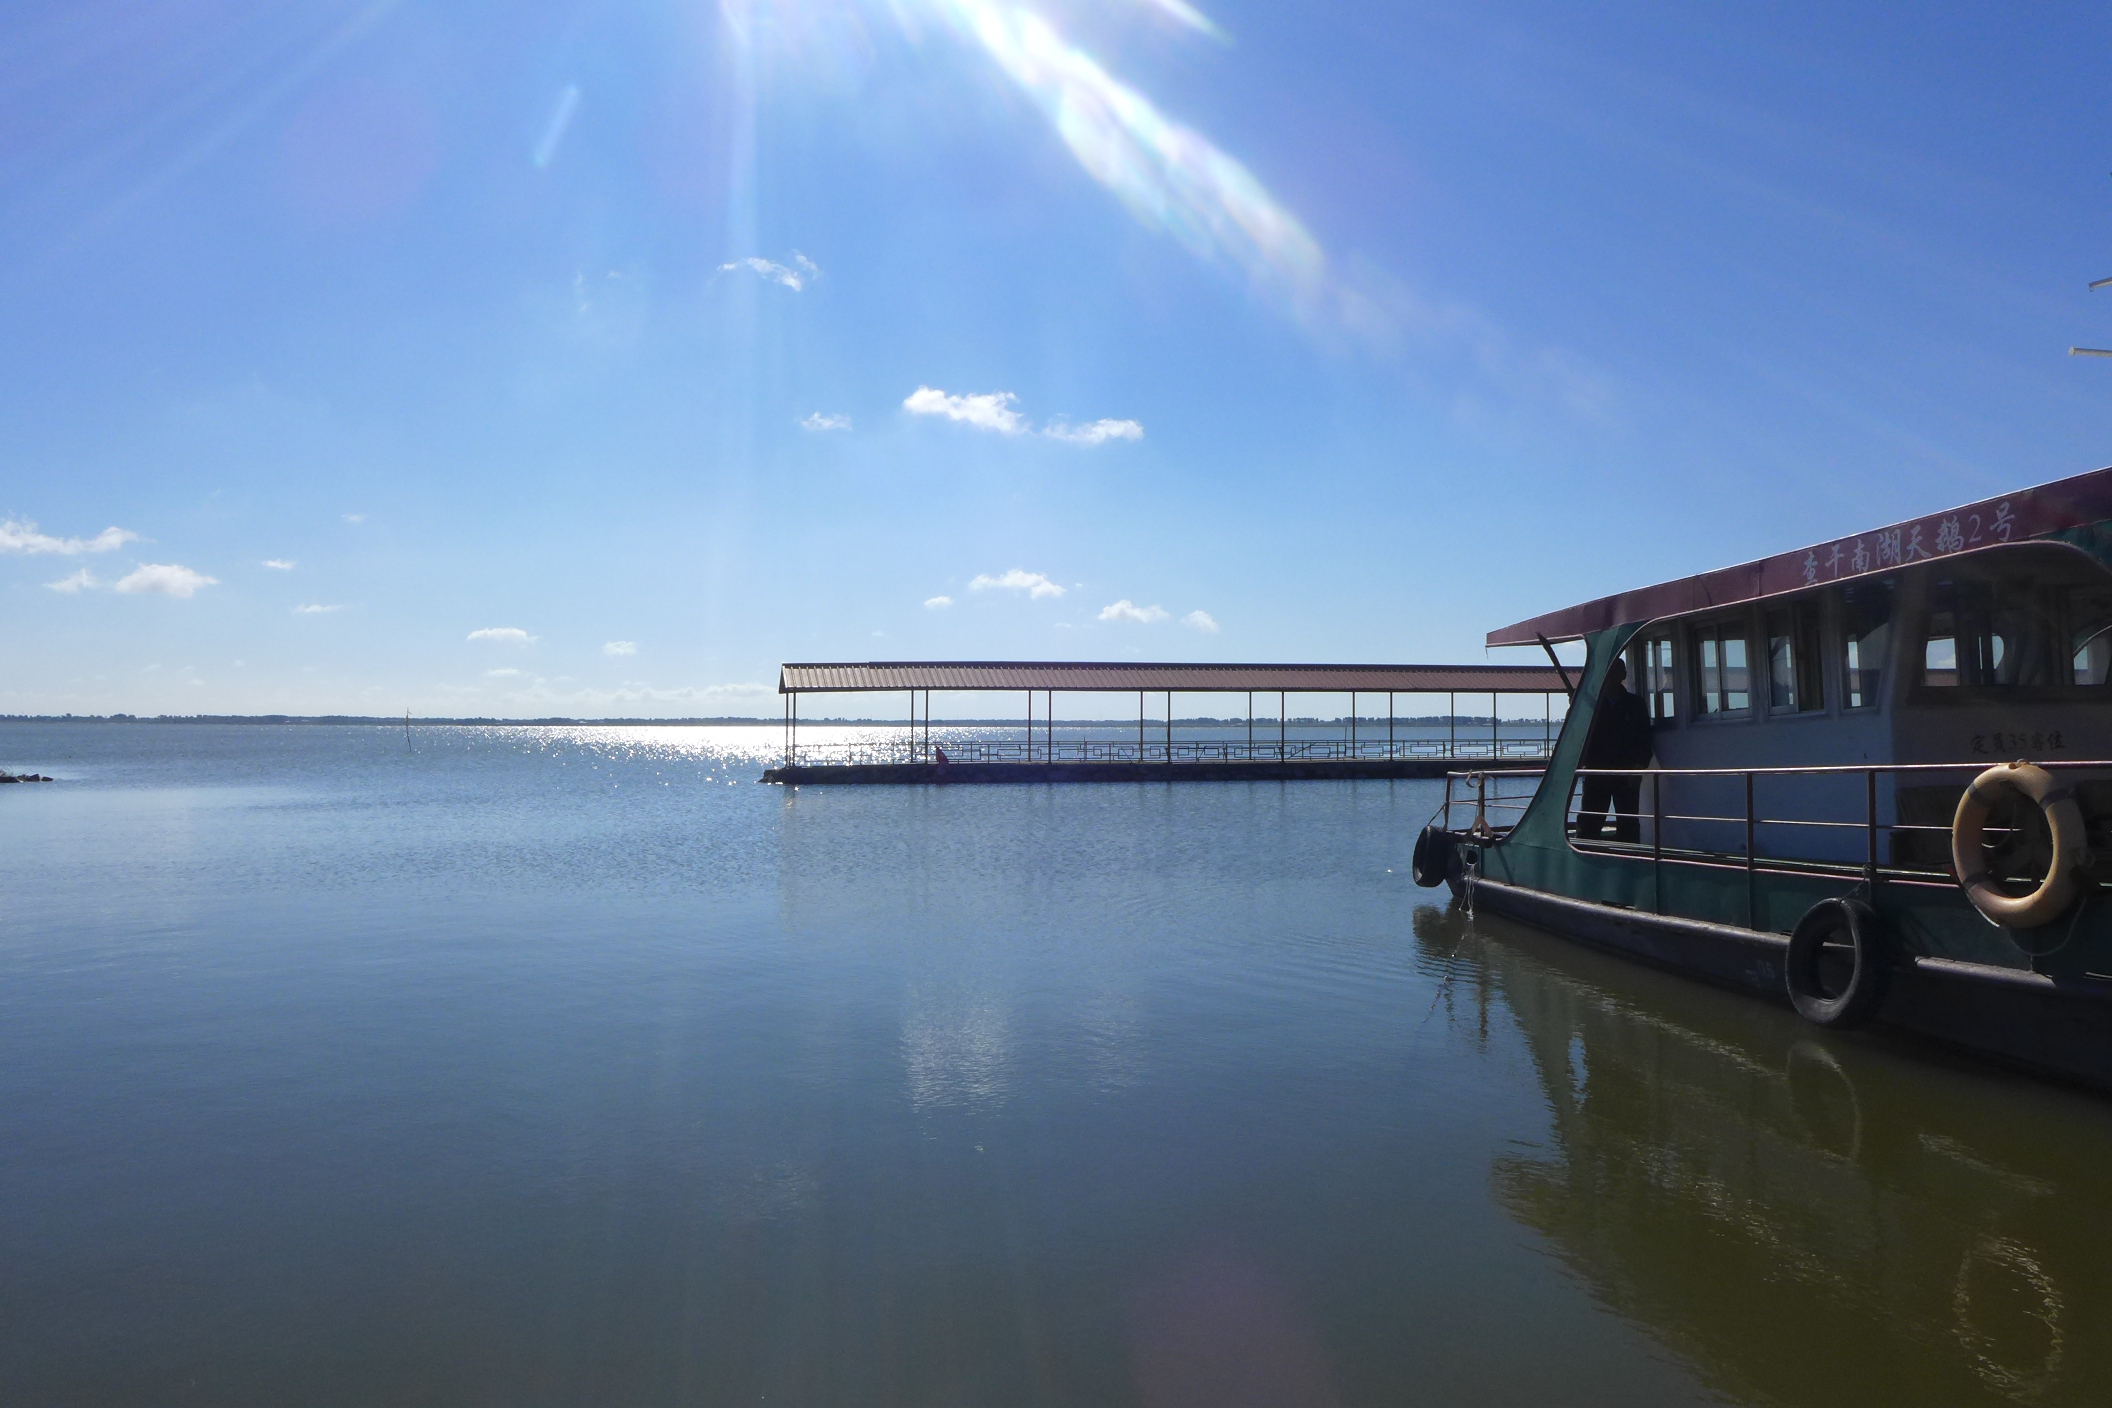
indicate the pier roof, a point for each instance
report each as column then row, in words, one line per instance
column 2006, row 519
column 1063, row 675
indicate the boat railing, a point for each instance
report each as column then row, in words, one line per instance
column 1489, row 802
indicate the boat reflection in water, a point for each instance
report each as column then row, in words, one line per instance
column 1805, row 1217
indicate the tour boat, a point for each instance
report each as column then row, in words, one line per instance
column 1881, row 789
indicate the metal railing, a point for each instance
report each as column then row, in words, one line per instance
column 1493, row 816
column 1181, row 750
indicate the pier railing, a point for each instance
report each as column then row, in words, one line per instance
column 1180, row 750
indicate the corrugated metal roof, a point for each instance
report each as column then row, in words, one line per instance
column 1101, row 675
column 1992, row 523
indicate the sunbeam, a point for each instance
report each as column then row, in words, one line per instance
column 1171, row 177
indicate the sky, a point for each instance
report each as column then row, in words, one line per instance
column 571, row 357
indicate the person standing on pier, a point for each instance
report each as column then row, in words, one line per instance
column 1620, row 737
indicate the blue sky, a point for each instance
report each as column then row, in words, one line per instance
column 592, row 359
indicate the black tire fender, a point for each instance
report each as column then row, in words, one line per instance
column 1843, row 921
column 1433, row 860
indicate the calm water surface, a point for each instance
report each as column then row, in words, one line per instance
column 570, row 1066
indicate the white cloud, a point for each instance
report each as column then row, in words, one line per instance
column 1097, row 432
column 78, row 582
column 317, row 610
column 165, row 579
column 992, row 410
column 282, row 564
column 1127, row 610
column 794, row 279
column 937, row 603
column 620, row 647
column 513, row 635
column 22, row 536
column 1034, row 584
column 355, row 519
column 989, row 410
column 508, row 673
column 1201, row 621
column 818, row 421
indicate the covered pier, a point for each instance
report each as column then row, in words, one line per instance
column 1269, row 740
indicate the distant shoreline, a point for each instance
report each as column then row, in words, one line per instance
column 384, row 721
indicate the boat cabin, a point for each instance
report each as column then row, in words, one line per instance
column 1879, row 765
column 1982, row 634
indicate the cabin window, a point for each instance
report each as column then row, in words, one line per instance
column 1722, row 676
column 1795, row 679
column 2088, row 611
column 1866, row 631
column 1987, row 634
column 1656, row 677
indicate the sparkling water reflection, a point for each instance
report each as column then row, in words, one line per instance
column 562, row 1065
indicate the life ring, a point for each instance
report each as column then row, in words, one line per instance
column 1435, row 855
column 1853, row 924
column 2071, row 847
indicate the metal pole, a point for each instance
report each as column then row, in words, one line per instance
column 1352, row 723
column 1030, row 725
column 1140, row 725
column 1547, row 722
column 1870, row 801
column 795, row 728
column 1749, row 852
column 788, row 730
column 1389, row 723
column 1250, row 725
column 1452, row 725
column 1050, row 700
column 1169, row 728
column 1657, row 844
column 1283, row 713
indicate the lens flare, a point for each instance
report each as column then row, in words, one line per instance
column 1170, row 177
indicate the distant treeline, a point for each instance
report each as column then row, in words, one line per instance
column 384, row 721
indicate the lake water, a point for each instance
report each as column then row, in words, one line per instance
column 571, row 1066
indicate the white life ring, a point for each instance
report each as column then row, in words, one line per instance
column 2071, row 847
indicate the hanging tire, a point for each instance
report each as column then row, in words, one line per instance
column 1434, row 857
column 1839, row 923
column 2071, row 845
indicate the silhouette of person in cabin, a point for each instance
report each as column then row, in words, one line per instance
column 1620, row 737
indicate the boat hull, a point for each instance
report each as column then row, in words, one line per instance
column 2020, row 1019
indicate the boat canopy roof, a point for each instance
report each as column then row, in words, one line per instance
column 1991, row 523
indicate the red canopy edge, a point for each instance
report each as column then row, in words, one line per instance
column 2006, row 518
